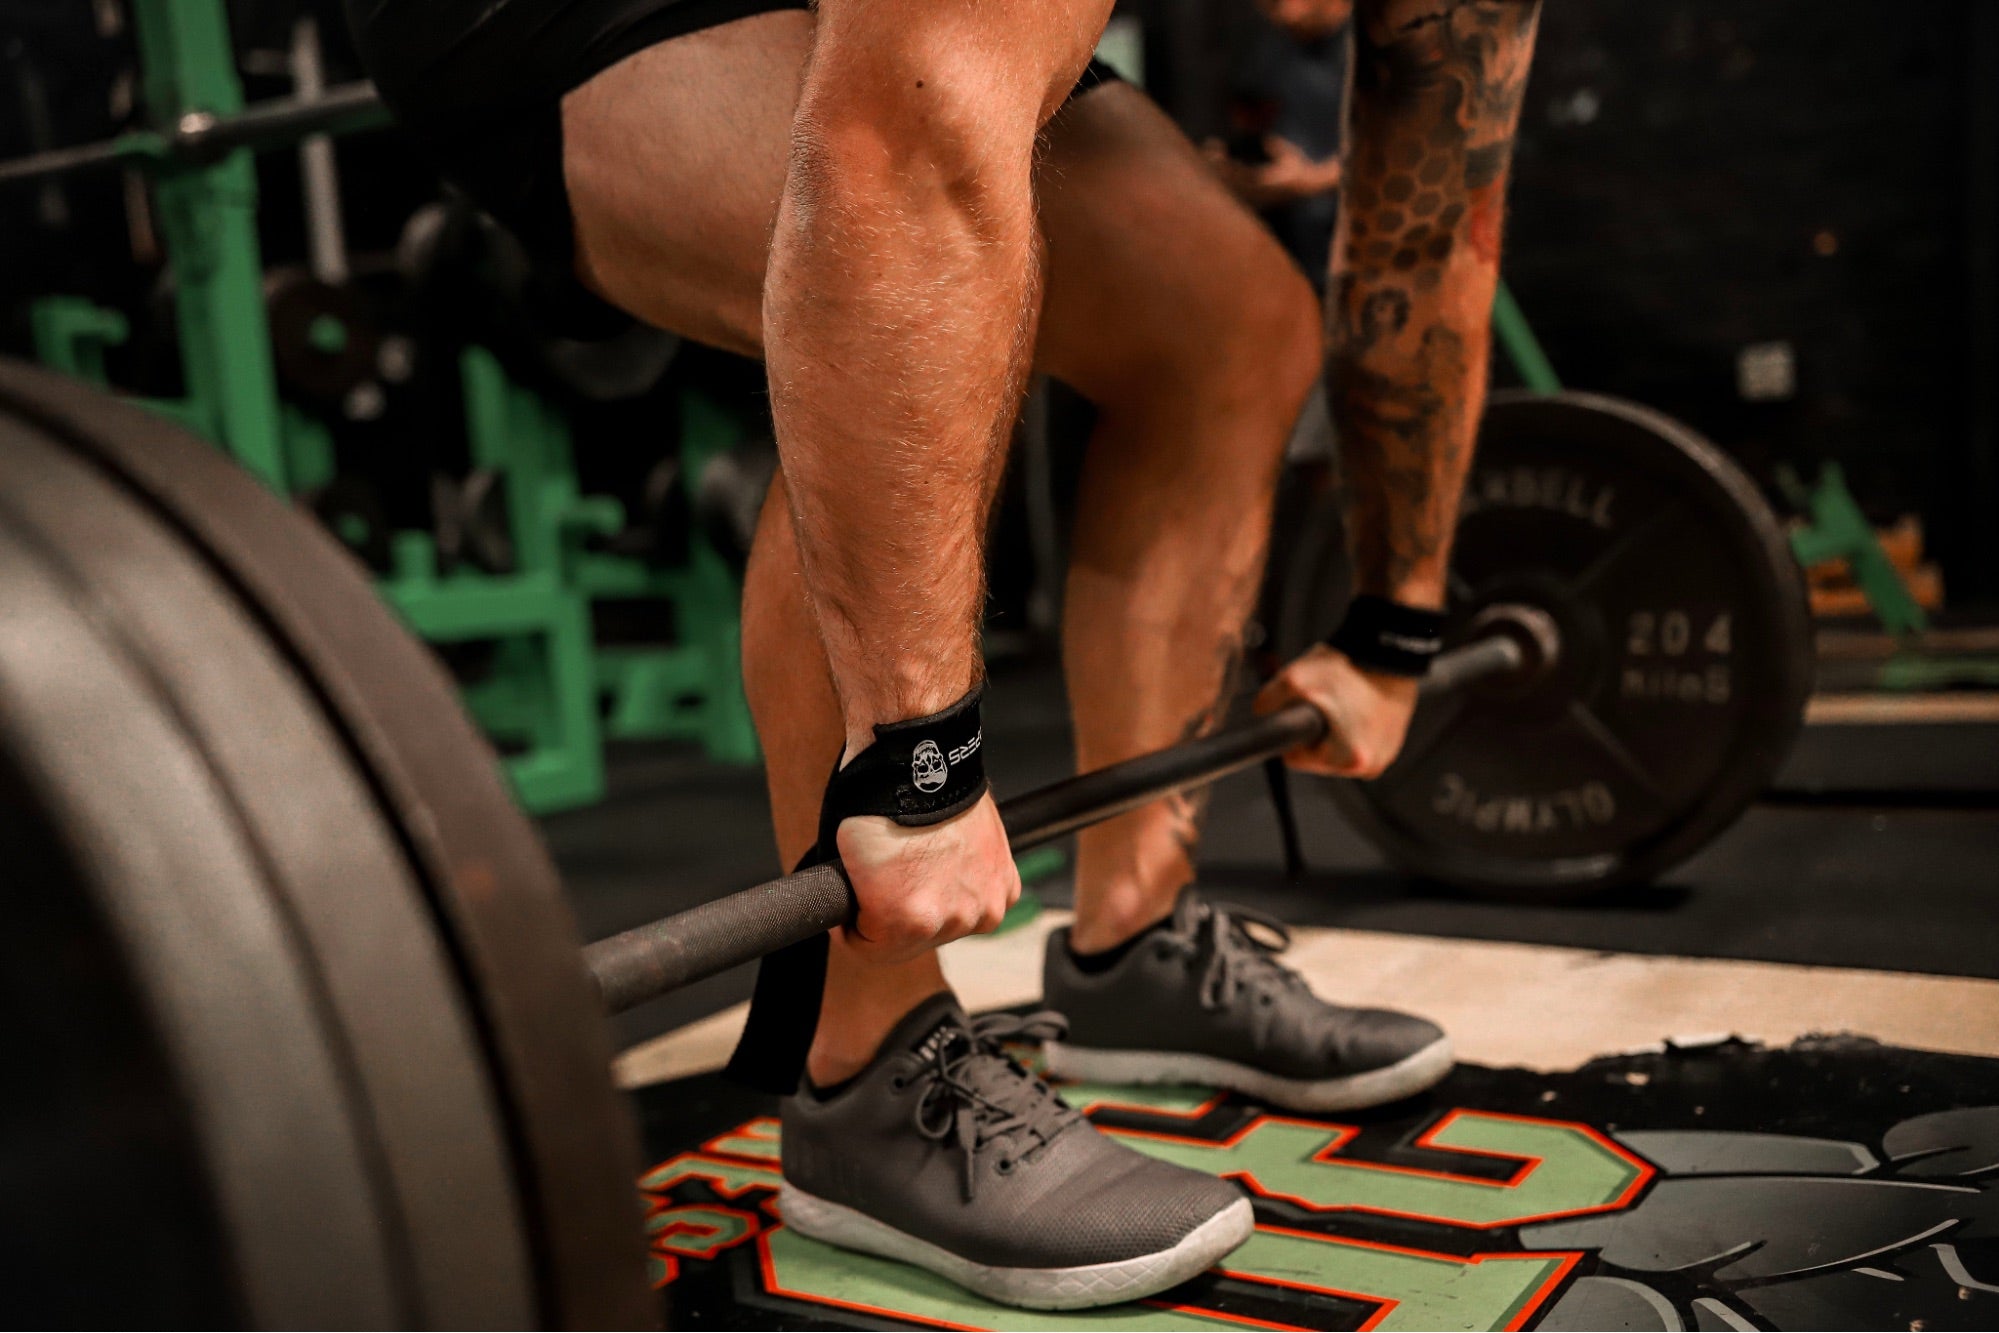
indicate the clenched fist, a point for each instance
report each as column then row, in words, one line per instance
column 922, row 887
column 1367, row 713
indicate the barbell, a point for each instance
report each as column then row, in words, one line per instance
column 292, row 981
column 649, row 961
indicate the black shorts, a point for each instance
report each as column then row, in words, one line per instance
column 480, row 84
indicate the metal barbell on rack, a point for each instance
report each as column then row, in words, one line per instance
column 199, row 138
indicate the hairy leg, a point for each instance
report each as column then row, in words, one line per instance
column 899, row 311
column 675, row 159
column 672, row 226
column 798, row 721
column 1218, row 344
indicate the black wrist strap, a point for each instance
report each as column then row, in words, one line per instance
column 1380, row 635
column 918, row 772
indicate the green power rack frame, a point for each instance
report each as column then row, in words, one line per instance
column 553, row 695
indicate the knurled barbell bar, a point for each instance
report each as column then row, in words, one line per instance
column 289, row 974
column 648, row 961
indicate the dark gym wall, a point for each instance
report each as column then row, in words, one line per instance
column 1699, row 178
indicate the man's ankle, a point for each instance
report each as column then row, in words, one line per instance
column 827, row 1069
column 1100, row 929
column 853, row 1027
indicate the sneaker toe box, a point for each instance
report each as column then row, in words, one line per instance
column 1377, row 1038
column 1147, row 1208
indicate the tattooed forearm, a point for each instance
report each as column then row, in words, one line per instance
column 1436, row 88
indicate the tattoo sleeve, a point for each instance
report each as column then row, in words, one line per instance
column 1435, row 95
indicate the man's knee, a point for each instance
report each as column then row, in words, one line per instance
column 938, row 95
column 1278, row 332
column 1248, row 330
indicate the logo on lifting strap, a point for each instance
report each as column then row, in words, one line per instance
column 927, row 768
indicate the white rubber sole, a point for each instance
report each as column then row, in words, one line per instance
column 1034, row 1288
column 1376, row 1087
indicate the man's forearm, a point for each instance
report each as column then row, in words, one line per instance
column 898, row 318
column 1436, row 94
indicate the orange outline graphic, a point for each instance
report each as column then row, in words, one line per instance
column 1345, row 1134
column 752, row 1128
column 657, row 1239
column 764, row 1127
column 1133, row 1108
column 1386, row 1305
column 1569, row 1259
column 660, row 1196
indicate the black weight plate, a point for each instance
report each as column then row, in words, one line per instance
column 482, row 865
column 178, row 894
column 1686, row 657
column 295, row 302
column 416, row 1080
column 91, row 1112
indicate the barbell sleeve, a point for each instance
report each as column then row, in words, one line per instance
column 1481, row 659
column 648, row 961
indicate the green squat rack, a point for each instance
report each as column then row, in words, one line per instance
column 550, row 695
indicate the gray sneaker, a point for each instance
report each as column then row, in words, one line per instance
column 1202, row 999
column 947, row 1154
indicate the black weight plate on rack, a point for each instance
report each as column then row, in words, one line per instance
column 416, row 1083
column 1685, row 663
column 295, row 302
column 175, row 894
column 486, row 876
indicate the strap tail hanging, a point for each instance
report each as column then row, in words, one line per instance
column 1278, row 778
column 918, row 772
column 784, row 1011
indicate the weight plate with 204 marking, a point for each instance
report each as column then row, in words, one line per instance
column 1684, row 667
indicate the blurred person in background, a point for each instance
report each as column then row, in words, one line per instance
column 1287, row 114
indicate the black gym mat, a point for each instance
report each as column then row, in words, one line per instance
column 1833, row 1184
column 1900, row 888
column 1950, row 764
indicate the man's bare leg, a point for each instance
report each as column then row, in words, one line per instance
column 645, row 240
column 1137, row 232
column 1196, row 402
column 898, row 312
column 798, row 720
column 674, row 224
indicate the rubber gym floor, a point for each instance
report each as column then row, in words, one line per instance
column 1761, row 1094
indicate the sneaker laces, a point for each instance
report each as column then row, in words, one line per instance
column 1239, row 960
column 977, row 1094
